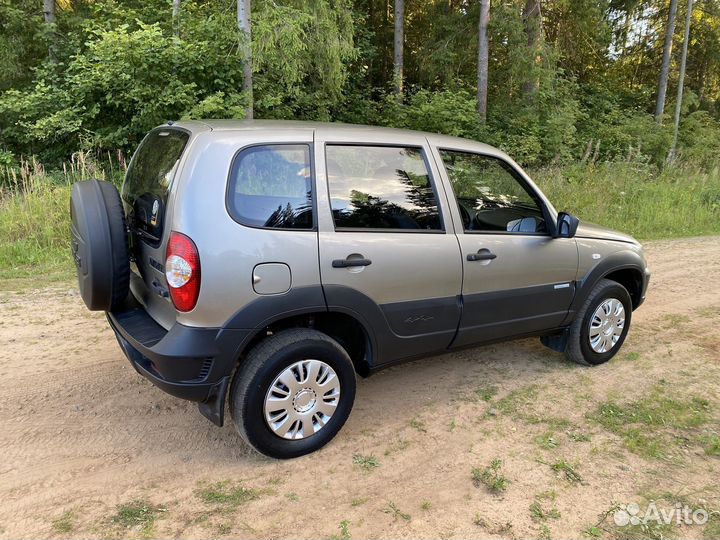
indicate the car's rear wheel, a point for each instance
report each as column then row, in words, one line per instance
column 601, row 325
column 292, row 393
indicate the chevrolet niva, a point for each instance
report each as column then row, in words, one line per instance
column 269, row 262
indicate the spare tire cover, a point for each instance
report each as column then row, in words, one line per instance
column 99, row 244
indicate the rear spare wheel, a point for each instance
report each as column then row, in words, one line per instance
column 99, row 244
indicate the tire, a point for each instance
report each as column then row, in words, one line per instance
column 579, row 347
column 262, row 369
column 99, row 244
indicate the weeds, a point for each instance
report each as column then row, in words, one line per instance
column 366, row 463
column 547, row 440
column 418, row 424
column 567, row 471
column 138, row 514
column 65, row 523
column 225, row 494
column 344, row 527
column 395, row 512
column 491, row 477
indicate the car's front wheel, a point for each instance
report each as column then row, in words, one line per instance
column 292, row 393
column 601, row 325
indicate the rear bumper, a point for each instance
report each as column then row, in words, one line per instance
column 186, row 362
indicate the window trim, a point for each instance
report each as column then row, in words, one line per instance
column 238, row 153
column 431, row 178
column 517, row 177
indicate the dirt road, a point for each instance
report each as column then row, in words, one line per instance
column 89, row 448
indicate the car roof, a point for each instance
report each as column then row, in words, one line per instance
column 341, row 129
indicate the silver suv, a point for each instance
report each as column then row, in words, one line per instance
column 271, row 262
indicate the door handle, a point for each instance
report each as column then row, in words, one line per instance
column 482, row 255
column 347, row 263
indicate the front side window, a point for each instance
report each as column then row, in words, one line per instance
column 381, row 187
column 271, row 186
column 491, row 196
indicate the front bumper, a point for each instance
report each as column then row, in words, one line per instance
column 186, row 362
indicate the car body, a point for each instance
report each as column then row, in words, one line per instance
column 395, row 244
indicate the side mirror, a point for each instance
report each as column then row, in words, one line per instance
column 567, row 225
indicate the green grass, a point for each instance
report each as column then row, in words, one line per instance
column 567, row 471
column 635, row 198
column 65, row 523
column 491, row 477
column 344, row 527
column 366, row 463
column 226, row 494
column 138, row 514
column 649, row 424
column 395, row 512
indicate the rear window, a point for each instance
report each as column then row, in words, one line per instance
column 149, row 177
column 271, row 187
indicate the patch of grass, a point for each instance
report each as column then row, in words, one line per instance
column 491, row 477
column 632, row 356
column 426, row 505
column 344, row 527
column 359, row 501
column 676, row 319
column 227, row 494
column 647, row 424
column 567, row 471
column 544, row 533
column 138, row 514
column 577, row 436
column 516, row 400
column 547, row 440
column 223, row 529
column 395, row 512
column 711, row 444
column 418, row 424
column 293, row 497
column 397, row 446
column 366, row 463
column 539, row 513
column 65, row 523
column 486, row 393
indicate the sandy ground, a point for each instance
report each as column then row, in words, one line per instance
column 83, row 436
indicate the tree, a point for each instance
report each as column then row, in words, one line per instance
column 665, row 70
column 532, row 19
column 243, row 21
column 681, row 80
column 483, row 53
column 49, row 11
column 176, row 17
column 399, row 48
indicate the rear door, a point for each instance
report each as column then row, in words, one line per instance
column 517, row 278
column 146, row 196
column 388, row 254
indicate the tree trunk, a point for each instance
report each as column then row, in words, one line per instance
column 243, row 21
column 49, row 11
column 681, row 80
column 665, row 70
column 399, row 48
column 483, row 51
column 532, row 20
column 176, row 17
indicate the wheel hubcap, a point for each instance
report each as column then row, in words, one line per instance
column 606, row 325
column 302, row 399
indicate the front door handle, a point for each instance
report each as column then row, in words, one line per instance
column 347, row 263
column 482, row 255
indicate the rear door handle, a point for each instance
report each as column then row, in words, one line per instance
column 482, row 255
column 347, row 263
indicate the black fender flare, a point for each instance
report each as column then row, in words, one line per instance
column 620, row 260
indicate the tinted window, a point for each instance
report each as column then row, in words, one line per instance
column 149, row 176
column 377, row 187
column 491, row 196
column 271, row 186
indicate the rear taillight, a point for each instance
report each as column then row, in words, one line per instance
column 182, row 271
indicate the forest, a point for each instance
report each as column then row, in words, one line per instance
column 584, row 93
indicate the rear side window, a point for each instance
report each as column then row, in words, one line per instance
column 149, row 177
column 271, row 186
column 381, row 187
